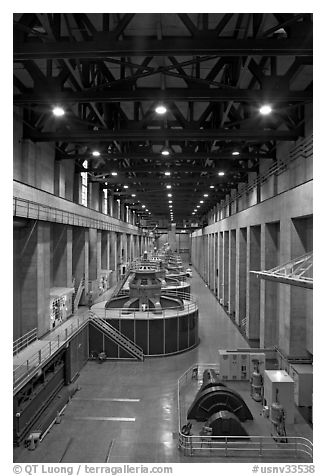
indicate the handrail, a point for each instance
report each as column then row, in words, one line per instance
column 29, row 367
column 302, row 149
column 122, row 312
column 255, row 445
column 79, row 292
column 93, row 316
column 30, row 209
column 24, row 340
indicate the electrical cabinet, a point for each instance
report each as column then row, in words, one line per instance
column 61, row 301
column 239, row 365
column 302, row 375
column 279, row 382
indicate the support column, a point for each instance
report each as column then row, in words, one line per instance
column 295, row 302
column 226, row 269
column 104, row 250
column 80, row 255
column 269, row 319
column 92, row 254
column 241, row 275
column 61, row 255
column 232, row 254
column 113, row 256
column 253, row 285
column 172, row 237
column 35, row 277
column 216, row 264
column 221, row 266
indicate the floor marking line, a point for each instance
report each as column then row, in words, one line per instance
column 102, row 418
column 109, row 451
column 65, row 451
column 107, row 399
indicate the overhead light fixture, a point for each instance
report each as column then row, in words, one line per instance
column 170, row 206
column 160, row 109
column 167, row 173
column 143, row 206
column 96, row 153
column 168, row 186
column 165, row 152
column 169, row 194
column 221, row 174
column 198, row 206
column 106, row 183
column 265, row 109
column 201, row 201
column 205, row 194
column 114, row 173
column 211, row 186
column 133, row 194
column 58, row 111
column 146, row 210
column 125, row 186
column 170, row 201
column 193, row 213
column 235, row 152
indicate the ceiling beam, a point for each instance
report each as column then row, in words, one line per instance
column 171, row 159
column 155, row 94
column 105, row 45
column 236, row 135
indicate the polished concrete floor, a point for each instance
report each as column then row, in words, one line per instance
column 126, row 411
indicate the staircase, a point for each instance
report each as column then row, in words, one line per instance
column 79, row 293
column 115, row 335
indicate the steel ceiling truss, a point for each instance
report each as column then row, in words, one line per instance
column 212, row 75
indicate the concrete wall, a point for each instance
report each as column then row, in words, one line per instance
column 48, row 253
column 267, row 234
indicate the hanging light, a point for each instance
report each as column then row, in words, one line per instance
column 160, row 109
column 58, row 111
column 265, row 109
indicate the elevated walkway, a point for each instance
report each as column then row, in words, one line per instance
column 298, row 272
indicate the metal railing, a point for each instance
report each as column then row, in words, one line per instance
column 38, row 211
column 30, row 366
column 304, row 149
column 79, row 292
column 117, row 336
column 250, row 446
column 189, row 307
column 24, row 341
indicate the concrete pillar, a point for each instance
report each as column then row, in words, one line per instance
column 99, row 252
column 119, row 253
column 253, row 284
column 93, row 254
column 212, row 263
column 113, row 257
column 232, row 272
column 221, row 266
column 172, row 237
column 295, row 302
column 132, row 247
column 226, row 268
column 80, row 254
column 269, row 318
column 61, row 255
column 80, row 259
column 110, row 205
column 241, row 275
column 216, row 263
column 35, row 277
column 104, row 250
